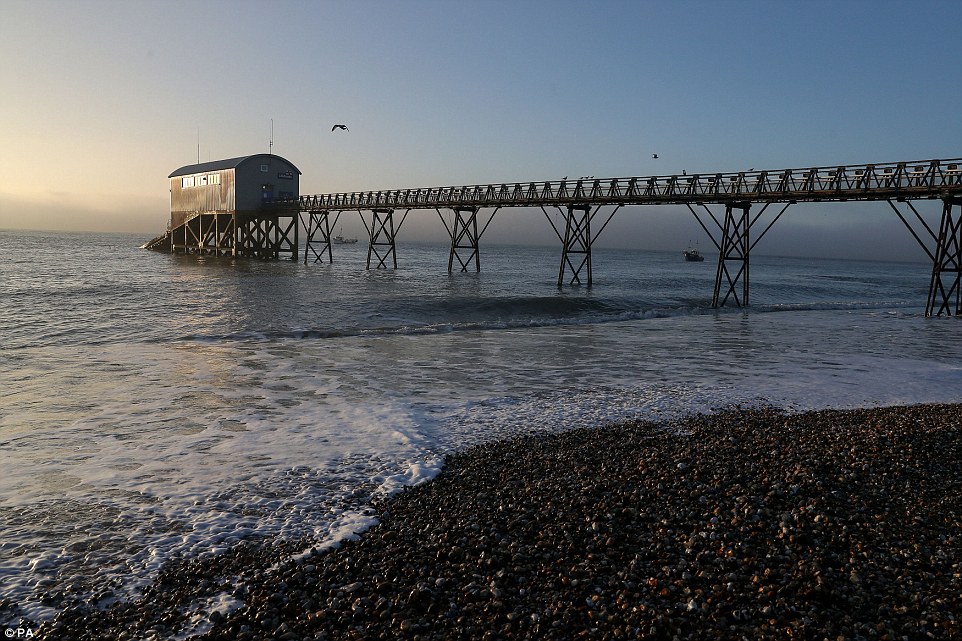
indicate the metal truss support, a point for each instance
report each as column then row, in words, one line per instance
column 285, row 236
column 227, row 235
column 219, row 235
column 946, row 283
column 577, row 240
column 232, row 234
column 382, row 234
column 465, row 236
column 945, row 288
column 249, row 237
column 734, row 246
column 267, row 237
column 212, row 234
column 318, row 223
column 189, row 236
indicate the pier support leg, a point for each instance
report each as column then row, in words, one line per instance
column 206, row 238
column 318, row 223
column 285, row 236
column 192, row 235
column 267, row 237
column 218, row 237
column 945, row 288
column 734, row 248
column 250, row 237
column 267, row 228
column 464, row 236
column 246, row 241
column 576, row 242
column 233, row 234
column 382, row 233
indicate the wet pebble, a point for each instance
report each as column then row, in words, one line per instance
column 749, row 523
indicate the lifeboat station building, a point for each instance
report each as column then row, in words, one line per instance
column 222, row 207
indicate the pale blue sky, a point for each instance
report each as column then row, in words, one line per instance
column 102, row 99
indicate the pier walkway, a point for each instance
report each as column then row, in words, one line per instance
column 729, row 225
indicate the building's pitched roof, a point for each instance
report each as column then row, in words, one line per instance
column 229, row 163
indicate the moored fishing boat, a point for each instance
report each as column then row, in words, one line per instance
column 341, row 240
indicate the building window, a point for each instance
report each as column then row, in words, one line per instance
column 199, row 181
column 265, row 168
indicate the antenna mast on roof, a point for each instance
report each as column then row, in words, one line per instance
column 270, row 148
column 198, row 144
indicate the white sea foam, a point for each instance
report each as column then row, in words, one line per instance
column 200, row 612
column 232, row 440
column 122, row 456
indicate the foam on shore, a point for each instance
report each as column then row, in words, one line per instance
column 751, row 523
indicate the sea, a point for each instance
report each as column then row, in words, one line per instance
column 159, row 407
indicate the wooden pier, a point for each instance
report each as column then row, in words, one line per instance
column 727, row 206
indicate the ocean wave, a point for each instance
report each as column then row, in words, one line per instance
column 522, row 316
column 839, row 306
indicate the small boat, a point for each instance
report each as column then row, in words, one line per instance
column 692, row 255
column 341, row 240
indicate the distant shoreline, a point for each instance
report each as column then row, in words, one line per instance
column 440, row 241
column 749, row 523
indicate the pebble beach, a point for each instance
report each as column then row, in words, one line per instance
column 744, row 524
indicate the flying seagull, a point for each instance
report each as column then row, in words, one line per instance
column 654, row 155
column 344, row 127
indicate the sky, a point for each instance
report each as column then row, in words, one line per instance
column 102, row 99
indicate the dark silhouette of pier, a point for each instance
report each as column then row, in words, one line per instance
column 727, row 206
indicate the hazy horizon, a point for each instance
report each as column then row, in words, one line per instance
column 104, row 99
column 846, row 243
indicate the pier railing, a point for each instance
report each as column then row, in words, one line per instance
column 915, row 179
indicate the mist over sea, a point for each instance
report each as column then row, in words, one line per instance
column 158, row 407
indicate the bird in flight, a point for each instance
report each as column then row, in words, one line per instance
column 654, row 155
column 344, row 127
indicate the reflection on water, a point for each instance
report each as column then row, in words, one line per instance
column 158, row 406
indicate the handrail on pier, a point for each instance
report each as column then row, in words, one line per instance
column 880, row 181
